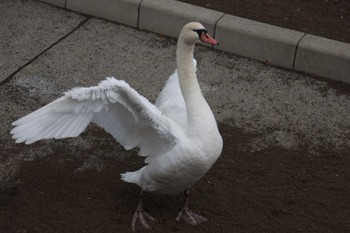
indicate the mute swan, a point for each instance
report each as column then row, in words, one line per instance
column 178, row 135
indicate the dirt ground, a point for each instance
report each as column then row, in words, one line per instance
column 327, row 18
column 274, row 190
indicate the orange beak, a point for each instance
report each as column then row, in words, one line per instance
column 208, row 39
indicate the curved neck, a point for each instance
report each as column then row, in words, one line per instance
column 190, row 89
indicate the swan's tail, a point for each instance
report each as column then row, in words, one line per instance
column 133, row 177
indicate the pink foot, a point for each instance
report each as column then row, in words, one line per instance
column 142, row 221
column 190, row 217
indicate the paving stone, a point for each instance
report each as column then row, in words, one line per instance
column 28, row 28
column 121, row 11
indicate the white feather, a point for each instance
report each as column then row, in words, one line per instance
column 113, row 105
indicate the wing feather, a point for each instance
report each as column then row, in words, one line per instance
column 129, row 117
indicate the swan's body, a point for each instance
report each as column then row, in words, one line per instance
column 178, row 135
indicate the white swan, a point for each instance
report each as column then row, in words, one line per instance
column 178, row 135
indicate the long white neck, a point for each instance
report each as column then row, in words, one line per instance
column 195, row 102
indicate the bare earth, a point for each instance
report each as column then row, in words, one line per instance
column 274, row 190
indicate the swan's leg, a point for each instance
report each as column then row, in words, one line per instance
column 187, row 215
column 142, row 220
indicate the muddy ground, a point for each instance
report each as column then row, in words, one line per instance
column 274, row 190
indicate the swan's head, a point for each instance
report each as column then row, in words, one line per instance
column 194, row 32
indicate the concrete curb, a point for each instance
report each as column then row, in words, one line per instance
column 168, row 17
column 324, row 57
column 283, row 47
column 256, row 40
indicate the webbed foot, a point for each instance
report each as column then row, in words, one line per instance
column 187, row 215
column 190, row 217
column 142, row 221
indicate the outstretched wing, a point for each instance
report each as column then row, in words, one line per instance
column 129, row 117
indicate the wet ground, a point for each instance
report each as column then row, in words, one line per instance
column 285, row 163
column 274, row 190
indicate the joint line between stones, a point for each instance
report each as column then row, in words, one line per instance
column 215, row 25
column 8, row 78
column 296, row 50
